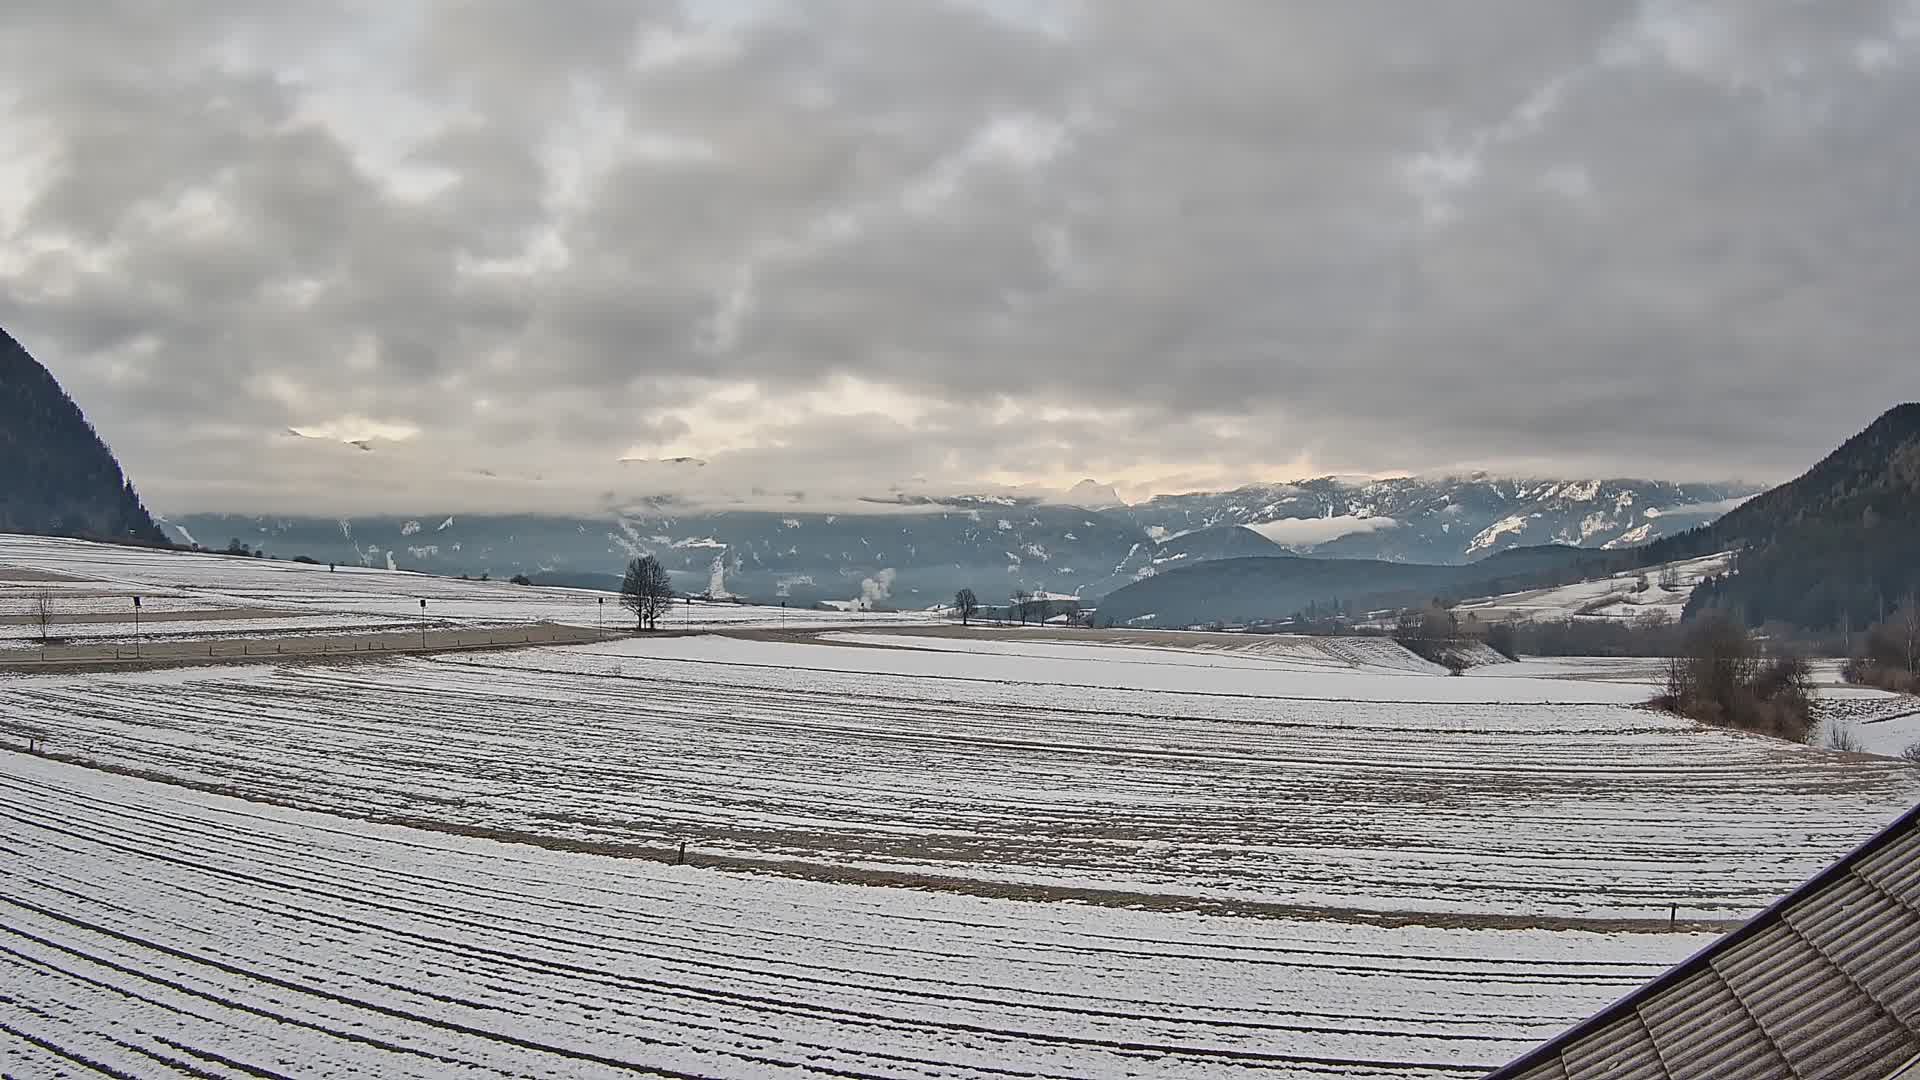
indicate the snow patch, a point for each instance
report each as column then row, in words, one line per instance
column 1306, row 532
column 1491, row 535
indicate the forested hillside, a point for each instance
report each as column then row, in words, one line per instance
column 1838, row 546
column 56, row 475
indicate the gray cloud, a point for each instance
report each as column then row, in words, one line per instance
column 855, row 248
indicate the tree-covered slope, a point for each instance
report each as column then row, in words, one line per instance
column 1839, row 545
column 56, row 476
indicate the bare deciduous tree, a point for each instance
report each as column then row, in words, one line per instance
column 1908, row 625
column 43, row 613
column 966, row 605
column 1021, row 598
column 646, row 591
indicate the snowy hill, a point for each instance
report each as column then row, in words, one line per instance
column 1661, row 591
column 1093, row 495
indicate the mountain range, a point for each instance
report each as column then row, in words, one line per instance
column 916, row 552
column 1834, row 548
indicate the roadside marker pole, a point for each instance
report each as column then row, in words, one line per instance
column 423, row 622
column 136, row 627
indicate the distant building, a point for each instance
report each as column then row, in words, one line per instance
column 1825, row 983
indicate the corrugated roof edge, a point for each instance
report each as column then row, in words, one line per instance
column 1539, row 1055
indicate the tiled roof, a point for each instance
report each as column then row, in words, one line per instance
column 1825, row 983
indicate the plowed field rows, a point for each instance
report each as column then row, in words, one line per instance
column 151, row 931
column 1488, row 810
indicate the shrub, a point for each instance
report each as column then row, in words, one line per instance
column 1504, row 639
column 1866, row 671
column 1719, row 679
column 1843, row 737
column 1911, row 753
column 521, row 579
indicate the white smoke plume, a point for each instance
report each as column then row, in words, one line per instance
column 875, row 589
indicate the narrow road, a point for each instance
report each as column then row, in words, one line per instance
column 394, row 642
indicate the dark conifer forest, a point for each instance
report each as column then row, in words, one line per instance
column 56, row 475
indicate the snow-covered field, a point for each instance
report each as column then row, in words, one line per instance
column 1876, row 721
column 1178, row 647
column 1189, row 783
column 88, row 578
column 916, row 854
column 1618, row 597
column 156, row 931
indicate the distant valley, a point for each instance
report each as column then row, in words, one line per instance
column 916, row 553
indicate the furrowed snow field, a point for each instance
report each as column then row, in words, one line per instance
column 1178, row 647
column 915, row 852
column 1478, row 799
column 156, row 931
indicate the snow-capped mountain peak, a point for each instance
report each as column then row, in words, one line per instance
column 1093, row 495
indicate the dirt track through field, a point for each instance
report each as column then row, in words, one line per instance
column 165, row 653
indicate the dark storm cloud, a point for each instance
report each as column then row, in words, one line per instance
column 848, row 246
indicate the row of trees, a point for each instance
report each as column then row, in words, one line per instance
column 1021, row 605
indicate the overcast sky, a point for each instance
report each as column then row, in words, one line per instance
column 855, row 246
